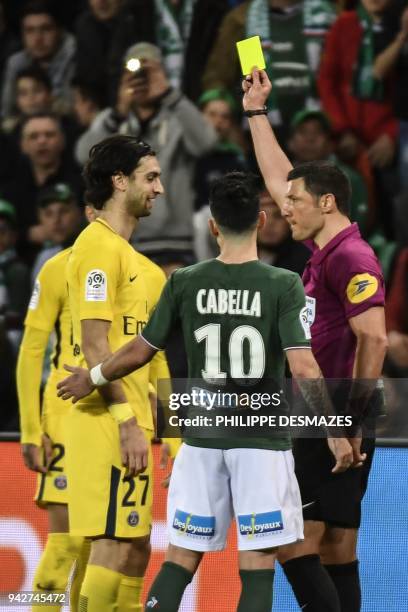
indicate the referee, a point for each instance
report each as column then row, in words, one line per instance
column 345, row 298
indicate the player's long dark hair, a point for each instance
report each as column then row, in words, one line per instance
column 234, row 201
column 322, row 177
column 116, row 154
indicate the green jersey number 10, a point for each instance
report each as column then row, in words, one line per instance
column 255, row 366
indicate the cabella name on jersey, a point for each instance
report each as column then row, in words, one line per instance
column 229, row 301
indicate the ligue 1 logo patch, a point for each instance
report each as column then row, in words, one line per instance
column 96, row 286
column 60, row 482
column 361, row 287
column 133, row 519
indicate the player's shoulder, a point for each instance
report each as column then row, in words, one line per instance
column 212, row 267
column 152, row 270
column 354, row 252
column 97, row 233
column 55, row 266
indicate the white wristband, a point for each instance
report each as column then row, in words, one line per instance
column 97, row 377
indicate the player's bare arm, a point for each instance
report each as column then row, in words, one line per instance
column 369, row 329
column 130, row 357
column 311, row 383
column 272, row 161
column 95, row 346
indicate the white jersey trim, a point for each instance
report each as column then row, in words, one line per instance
column 150, row 344
column 290, row 348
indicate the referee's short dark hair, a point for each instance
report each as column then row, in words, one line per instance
column 234, row 202
column 113, row 155
column 321, row 177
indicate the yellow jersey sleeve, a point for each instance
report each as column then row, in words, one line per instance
column 29, row 372
column 98, row 276
column 45, row 303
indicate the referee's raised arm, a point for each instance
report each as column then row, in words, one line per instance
column 272, row 161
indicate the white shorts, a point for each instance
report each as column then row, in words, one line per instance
column 208, row 487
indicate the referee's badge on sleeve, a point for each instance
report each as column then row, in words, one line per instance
column 361, row 287
column 96, row 286
column 307, row 316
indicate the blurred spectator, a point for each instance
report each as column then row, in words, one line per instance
column 33, row 91
column 312, row 139
column 147, row 107
column 61, row 220
column 184, row 30
column 292, row 34
column 357, row 102
column 96, row 29
column 397, row 317
column 219, row 107
column 8, row 42
column 43, row 164
column 394, row 59
column 45, row 44
column 88, row 101
column 34, row 96
column 275, row 243
column 14, row 276
column 14, row 295
column 401, row 218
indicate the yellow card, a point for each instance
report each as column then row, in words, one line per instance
column 250, row 54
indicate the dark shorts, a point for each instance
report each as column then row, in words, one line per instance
column 334, row 499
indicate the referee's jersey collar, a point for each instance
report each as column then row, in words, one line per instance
column 320, row 254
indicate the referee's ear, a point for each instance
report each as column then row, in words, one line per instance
column 328, row 204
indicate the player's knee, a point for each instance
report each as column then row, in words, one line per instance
column 57, row 561
column 313, row 531
column 338, row 545
column 134, row 556
column 257, row 559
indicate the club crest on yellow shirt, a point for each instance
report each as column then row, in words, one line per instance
column 361, row 287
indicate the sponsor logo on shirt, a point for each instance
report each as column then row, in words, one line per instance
column 361, row 287
column 35, row 296
column 193, row 525
column 96, row 286
column 132, row 326
column 258, row 525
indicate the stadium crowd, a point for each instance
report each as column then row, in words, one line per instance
column 167, row 71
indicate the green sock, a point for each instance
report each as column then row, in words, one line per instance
column 257, row 589
column 168, row 587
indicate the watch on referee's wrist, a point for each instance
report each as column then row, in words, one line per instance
column 258, row 111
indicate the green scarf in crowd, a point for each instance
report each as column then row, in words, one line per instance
column 365, row 85
column 318, row 15
column 173, row 31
